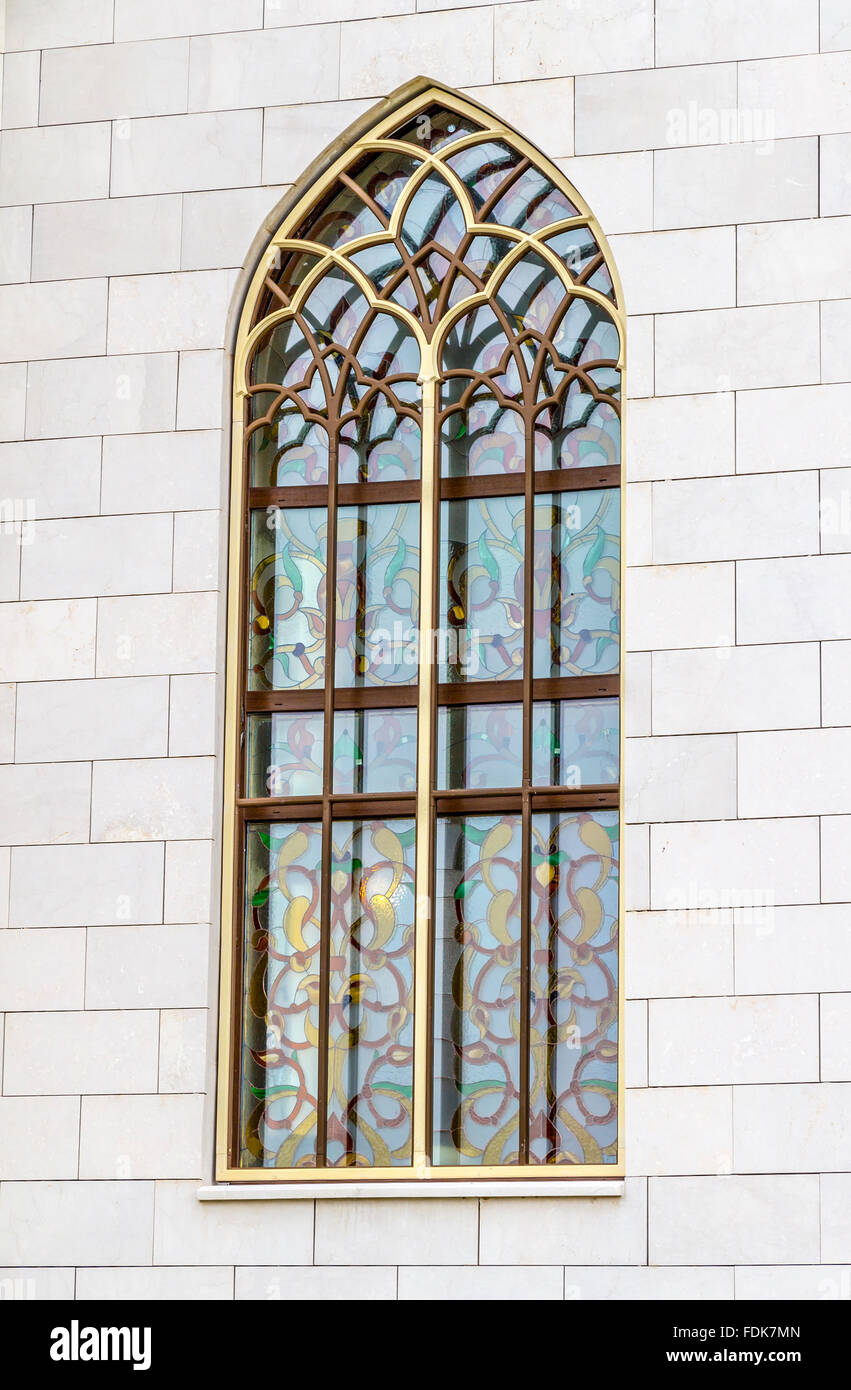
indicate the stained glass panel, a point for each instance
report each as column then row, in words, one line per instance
column 281, row 1005
column 286, row 638
column 574, row 993
column 575, row 743
column 377, row 594
column 480, row 746
column 375, row 750
column 481, row 596
column 482, row 438
column 283, row 754
column 576, row 583
column 370, row 1024
column 477, row 990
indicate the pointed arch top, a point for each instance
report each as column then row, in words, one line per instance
column 422, row 141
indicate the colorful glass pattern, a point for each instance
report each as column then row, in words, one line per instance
column 479, row 746
column 284, row 755
column 476, row 1098
column 574, row 988
column 576, row 586
column 287, row 616
column 375, row 750
column 378, row 549
column 281, row 974
column 575, row 743
column 371, row 974
column 481, row 597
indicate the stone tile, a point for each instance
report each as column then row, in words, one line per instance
column 648, row 1283
column 835, row 1218
column 253, row 68
column 835, row 346
column 86, row 885
column 38, row 1138
column 58, row 720
column 768, row 345
column 663, row 272
column 201, row 389
column 798, row 772
column 15, row 244
column 798, row 1283
column 29, row 817
column 147, row 967
column 652, row 109
column 497, row 1283
column 183, row 1050
column 153, row 799
column 97, row 1052
column 757, row 181
column 113, row 81
column 146, row 1283
column 20, row 89
column 734, row 1220
column 617, row 187
column 221, row 227
column 215, row 1233
column 681, row 437
column 164, row 313
column 163, row 19
column 677, row 954
column 807, row 95
column 736, row 517
column 388, row 1230
column 792, row 600
column 166, row 634
column 56, row 479
column 108, row 236
column 131, row 1137
column 42, row 970
column 679, row 1130
column 189, row 875
column 836, row 1037
column 90, row 556
column 375, row 56
column 18, row 1283
column 682, row 778
column 552, row 1230
column 713, row 690
column 771, row 424
column 687, row 32
column 293, row 136
column 192, row 726
column 330, row 1284
column 540, row 111
column 13, row 400
column 752, row 864
column 792, row 1129
column 556, row 40
column 197, row 540
column 835, row 172
column 54, row 164
column 66, row 319
column 744, row 1041
column 680, row 606
column 101, row 395
column 76, row 1222
column 820, row 251
column 162, row 472
column 181, row 154
column 52, row 23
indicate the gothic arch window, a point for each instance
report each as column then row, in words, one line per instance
column 420, row 978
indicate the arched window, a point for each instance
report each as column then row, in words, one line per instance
column 421, row 828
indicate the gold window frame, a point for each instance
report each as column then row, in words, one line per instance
column 361, row 137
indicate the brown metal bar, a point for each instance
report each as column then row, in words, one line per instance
column 348, row 494
column 544, row 688
column 544, row 480
column 354, row 697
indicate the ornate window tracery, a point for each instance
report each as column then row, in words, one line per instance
column 422, row 836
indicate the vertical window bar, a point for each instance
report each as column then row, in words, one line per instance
column 526, row 865
column 327, row 785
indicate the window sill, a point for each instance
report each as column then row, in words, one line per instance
column 308, row 1191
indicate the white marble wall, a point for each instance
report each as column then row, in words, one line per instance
column 144, row 143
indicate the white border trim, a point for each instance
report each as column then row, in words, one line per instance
column 308, row 1191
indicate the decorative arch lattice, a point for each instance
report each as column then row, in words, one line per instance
column 423, row 731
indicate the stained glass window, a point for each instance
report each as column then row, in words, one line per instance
column 422, row 827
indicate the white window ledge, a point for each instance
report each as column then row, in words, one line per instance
column 308, row 1191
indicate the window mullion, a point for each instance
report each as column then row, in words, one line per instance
column 327, row 783
column 425, row 763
